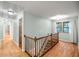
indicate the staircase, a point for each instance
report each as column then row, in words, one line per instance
column 47, row 42
column 49, row 46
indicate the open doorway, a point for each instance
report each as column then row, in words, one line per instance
column 7, row 31
column 20, row 33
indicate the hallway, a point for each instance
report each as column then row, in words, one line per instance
column 9, row 49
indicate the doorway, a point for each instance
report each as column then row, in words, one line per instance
column 7, row 32
column 7, row 29
column 20, row 33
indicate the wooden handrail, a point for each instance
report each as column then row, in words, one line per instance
column 46, row 36
column 42, row 37
column 29, row 37
column 53, row 39
column 39, row 37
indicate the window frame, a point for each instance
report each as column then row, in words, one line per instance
column 59, row 27
column 66, row 27
column 62, row 26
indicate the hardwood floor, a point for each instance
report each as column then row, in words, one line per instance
column 63, row 49
column 9, row 49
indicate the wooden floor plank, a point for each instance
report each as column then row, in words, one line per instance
column 63, row 49
column 9, row 49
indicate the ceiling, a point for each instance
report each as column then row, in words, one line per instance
column 8, row 10
column 48, row 8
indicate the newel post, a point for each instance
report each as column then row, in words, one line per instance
column 58, row 37
column 51, row 39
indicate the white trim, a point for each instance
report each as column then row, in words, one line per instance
column 17, row 31
column 10, row 30
column 3, row 30
column 23, row 44
column 21, row 17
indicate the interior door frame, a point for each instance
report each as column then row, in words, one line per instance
column 21, row 31
column 20, row 15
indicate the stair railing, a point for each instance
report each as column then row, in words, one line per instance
column 36, row 47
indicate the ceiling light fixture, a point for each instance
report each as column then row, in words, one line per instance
column 11, row 12
column 58, row 17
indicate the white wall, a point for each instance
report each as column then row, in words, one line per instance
column 78, row 22
column 36, row 26
column 15, row 32
column 1, row 30
column 71, row 36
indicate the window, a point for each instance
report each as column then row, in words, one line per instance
column 59, row 27
column 65, row 26
column 62, row 26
